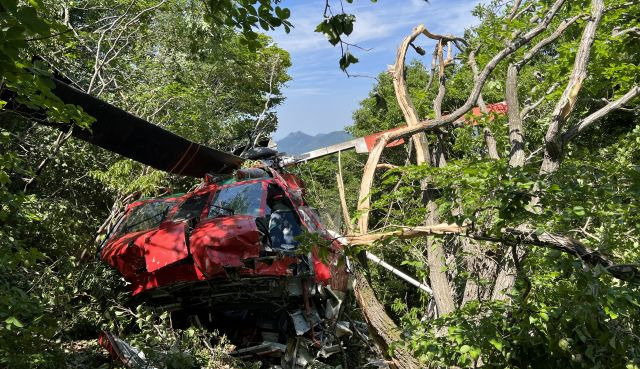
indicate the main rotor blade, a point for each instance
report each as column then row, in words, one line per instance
column 133, row 137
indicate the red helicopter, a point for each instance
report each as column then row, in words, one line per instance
column 226, row 255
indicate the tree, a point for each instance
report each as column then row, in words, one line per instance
column 529, row 240
column 217, row 93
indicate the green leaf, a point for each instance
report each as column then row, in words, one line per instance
column 497, row 344
column 346, row 60
column 12, row 320
column 10, row 5
column 475, row 353
column 30, row 19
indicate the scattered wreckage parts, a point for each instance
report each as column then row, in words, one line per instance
column 300, row 335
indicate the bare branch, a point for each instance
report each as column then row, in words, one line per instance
column 516, row 129
column 574, row 247
column 433, row 67
column 402, row 93
column 489, row 140
column 524, row 10
column 442, row 63
column 633, row 30
column 405, row 233
column 267, row 102
column 516, row 5
column 546, row 41
column 343, row 200
column 592, row 118
column 386, row 166
column 492, row 146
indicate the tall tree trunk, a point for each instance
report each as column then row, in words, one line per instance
column 516, row 132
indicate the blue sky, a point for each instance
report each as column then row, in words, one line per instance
column 321, row 98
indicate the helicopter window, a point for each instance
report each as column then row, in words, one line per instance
column 284, row 225
column 146, row 216
column 234, row 200
column 191, row 207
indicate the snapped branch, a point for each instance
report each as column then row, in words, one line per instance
column 553, row 143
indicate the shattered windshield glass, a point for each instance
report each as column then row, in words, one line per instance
column 235, row 200
column 146, row 216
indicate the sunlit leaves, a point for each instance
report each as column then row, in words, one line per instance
column 247, row 15
column 335, row 26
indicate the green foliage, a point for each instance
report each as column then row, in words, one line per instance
column 247, row 15
column 164, row 62
column 561, row 313
column 19, row 25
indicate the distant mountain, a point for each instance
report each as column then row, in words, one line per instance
column 298, row 142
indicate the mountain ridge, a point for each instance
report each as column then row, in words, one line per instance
column 298, row 142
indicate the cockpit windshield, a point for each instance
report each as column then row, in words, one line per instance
column 244, row 199
column 146, row 216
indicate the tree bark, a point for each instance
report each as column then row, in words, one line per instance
column 592, row 118
column 554, row 147
column 374, row 156
column 382, row 328
column 489, row 140
column 516, row 132
column 343, row 199
column 443, row 294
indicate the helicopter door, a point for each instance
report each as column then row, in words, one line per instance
column 165, row 246
column 169, row 243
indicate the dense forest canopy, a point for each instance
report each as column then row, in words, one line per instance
column 160, row 60
column 538, row 266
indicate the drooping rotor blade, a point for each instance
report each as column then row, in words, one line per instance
column 360, row 144
column 135, row 138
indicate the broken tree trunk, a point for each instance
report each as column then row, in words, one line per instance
column 375, row 310
column 443, row 294
column 554, row 147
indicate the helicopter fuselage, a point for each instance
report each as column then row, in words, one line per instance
column 228, row 230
